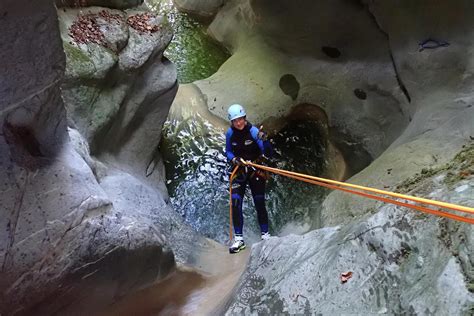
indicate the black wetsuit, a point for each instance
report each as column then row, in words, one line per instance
column 245, row 144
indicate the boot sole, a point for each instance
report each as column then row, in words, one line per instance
column 237, row 250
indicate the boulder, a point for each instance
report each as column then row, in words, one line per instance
column 100, row 77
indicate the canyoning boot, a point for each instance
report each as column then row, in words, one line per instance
column 266, row 236
column 238, row 245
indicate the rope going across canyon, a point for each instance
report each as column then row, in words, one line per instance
column 371, row 193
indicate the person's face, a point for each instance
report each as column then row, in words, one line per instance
column 239, row 123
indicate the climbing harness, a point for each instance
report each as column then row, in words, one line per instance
column 256, row 172
column 431, row 44
column 371, row 194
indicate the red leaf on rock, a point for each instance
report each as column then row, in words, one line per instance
column 346, row 276
column 141, row 23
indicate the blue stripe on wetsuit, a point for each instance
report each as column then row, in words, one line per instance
column 264, row 146
column 228, row 146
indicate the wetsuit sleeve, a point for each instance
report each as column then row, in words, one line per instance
column 265, row 146
column 228, row 146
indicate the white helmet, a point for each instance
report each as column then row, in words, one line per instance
column 236, row 111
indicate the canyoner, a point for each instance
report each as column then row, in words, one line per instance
column 245, row 142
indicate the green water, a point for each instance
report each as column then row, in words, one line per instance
column 195, row 54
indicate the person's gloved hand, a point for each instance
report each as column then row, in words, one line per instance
column 261, row 134
column 237, row 161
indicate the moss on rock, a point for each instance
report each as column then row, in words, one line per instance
column 78, row 63
column 459, row 168
column 462, row 166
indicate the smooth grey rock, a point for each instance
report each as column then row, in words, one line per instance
column 21, row 76
column 67, row 244
column 361, row 128
column 60, row 229
column 128, row 191
column 441, row 110
column 390, row 254
column 92, row 107
column 95, row 90
column 134, row 136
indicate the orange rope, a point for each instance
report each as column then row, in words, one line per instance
column 232, row 175
column 379, row 198
column 398, row 195
column 336, row 185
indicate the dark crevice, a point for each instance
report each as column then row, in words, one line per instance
column 290, row 85
column 24, row 137
column 13, row 222
column 25, row 149
column 360, row 94
column 332, row 52
column 399, row 80
column 355, row 237
column 153, row 163
column 397, row 75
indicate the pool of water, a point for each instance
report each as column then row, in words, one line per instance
column 197, row 178
column 195, row 54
